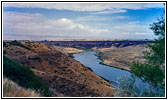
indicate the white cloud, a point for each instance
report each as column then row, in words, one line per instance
column 99, row 19
column 110, row 11
column 36, row 24
column 114, row 7
column 133, row 30
column 137, row 33
column 135, row 22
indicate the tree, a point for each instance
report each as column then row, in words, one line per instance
column 152, row 70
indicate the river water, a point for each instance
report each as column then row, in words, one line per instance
column 112, row 74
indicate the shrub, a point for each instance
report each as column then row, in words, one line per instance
column 128, row 88
column 23, row 76
column 16, row 43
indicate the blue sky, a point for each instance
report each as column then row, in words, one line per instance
column 51, row 21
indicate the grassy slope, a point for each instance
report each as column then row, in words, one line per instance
column 23, row 76
column 122, row 57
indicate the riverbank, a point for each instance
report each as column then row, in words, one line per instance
column 88, row 68
column 121, row 57
column 99, row 57
column 110, row 74
column 114, row 66
column 82, row 51
column 109, row 65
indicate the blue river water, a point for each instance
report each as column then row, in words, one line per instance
column 112, row 74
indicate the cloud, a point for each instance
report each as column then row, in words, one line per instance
column 134, row 22
column 99, row 19
column 24, row 24
column 113, row 7
column 141, row 33
column 110, row 11
column 37, row 27
column 133, row 30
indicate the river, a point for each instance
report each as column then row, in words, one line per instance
column 112, row 74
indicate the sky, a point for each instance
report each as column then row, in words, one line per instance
column 52, row 21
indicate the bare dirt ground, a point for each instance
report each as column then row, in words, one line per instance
column 122, row 57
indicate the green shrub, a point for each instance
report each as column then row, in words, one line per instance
column 16, row 43
column 23, row 76
column 150, row 73
column 4, row 44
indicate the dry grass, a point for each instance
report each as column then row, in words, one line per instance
column 122, row 57
column 61, row 73
column 68, row 50
column 11, row 89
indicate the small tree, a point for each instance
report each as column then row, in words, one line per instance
column 152, row 70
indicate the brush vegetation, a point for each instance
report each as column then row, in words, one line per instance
column 11, row 89
column 23, row 76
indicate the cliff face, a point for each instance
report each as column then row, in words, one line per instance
column 97, row 44
column 62, row 74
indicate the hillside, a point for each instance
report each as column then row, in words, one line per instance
column 23, row 76
column 61, row 73
column 122, row 57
